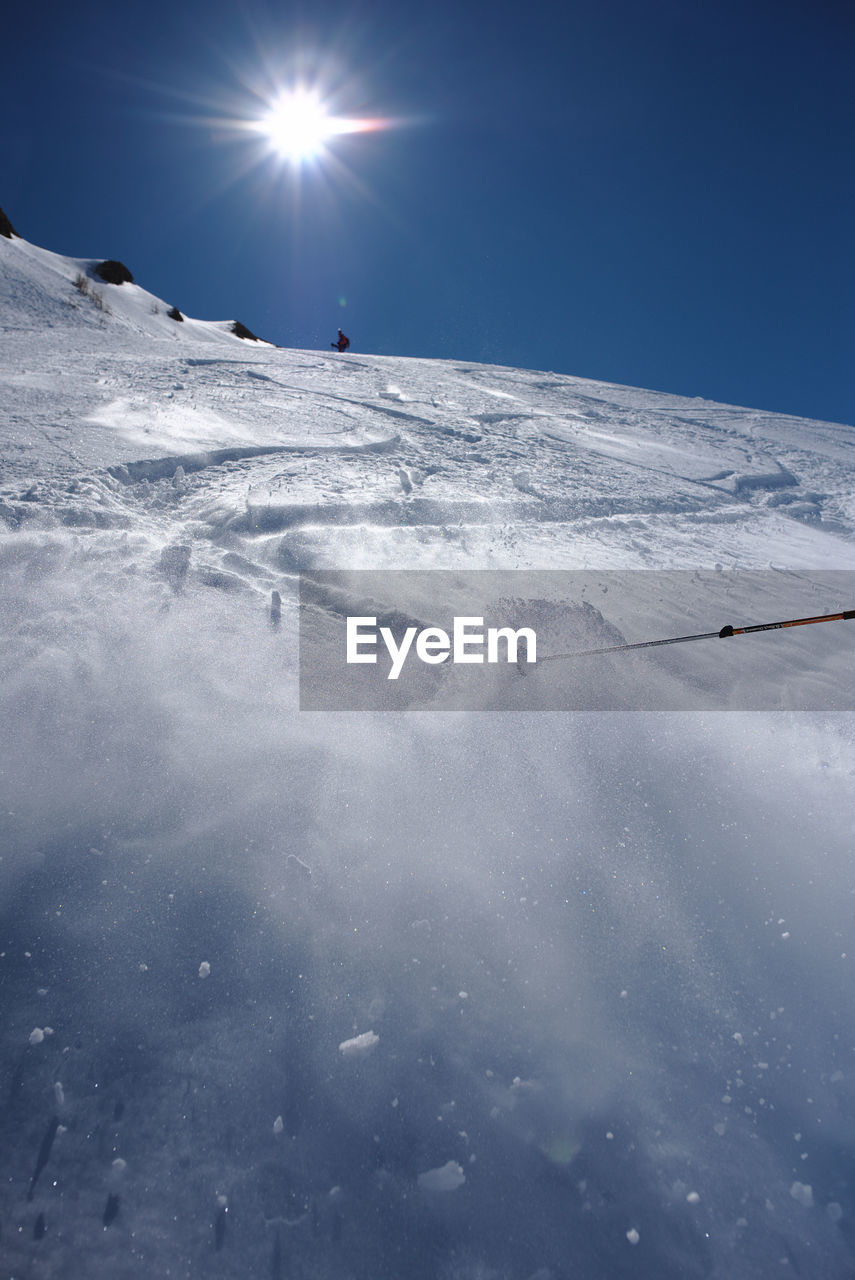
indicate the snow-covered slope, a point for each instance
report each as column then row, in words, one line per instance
column 605, row 958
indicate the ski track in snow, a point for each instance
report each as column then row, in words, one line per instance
column 606, row 958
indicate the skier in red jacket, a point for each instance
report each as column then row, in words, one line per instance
column 343, row 342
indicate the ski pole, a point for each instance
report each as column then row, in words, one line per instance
column 723, row 634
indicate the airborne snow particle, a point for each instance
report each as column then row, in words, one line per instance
column 803, row 1193
column 59, row 1094
column 447, row 1178
column 737, row 1036
column 359, row 1046
column 693, row 1197
column 36, row 1035
column 834, row 1211
column 293, row 863
column 204, row 969
column 278, row 1125
column 632, row 1236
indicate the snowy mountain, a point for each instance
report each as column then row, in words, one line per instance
column 438, row 993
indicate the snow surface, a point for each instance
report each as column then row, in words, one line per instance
column 650, row 915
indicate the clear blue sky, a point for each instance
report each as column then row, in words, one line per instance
column 653, row 192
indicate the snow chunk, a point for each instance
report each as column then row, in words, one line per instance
column 834, row 1211
column 803, row 1193
column 448, row 1178
column 204, row 969
column 693, row 1197
column 359, row 1046
column 632, row 1236
column 278, row 1125
column 36, row 1035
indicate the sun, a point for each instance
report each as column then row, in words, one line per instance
column 299, row 124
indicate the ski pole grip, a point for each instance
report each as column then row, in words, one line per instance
column 847, row 614
column 728, row 631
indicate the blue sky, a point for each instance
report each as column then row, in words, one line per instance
column 655, row 193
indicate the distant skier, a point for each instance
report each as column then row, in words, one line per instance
column 343, row 342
